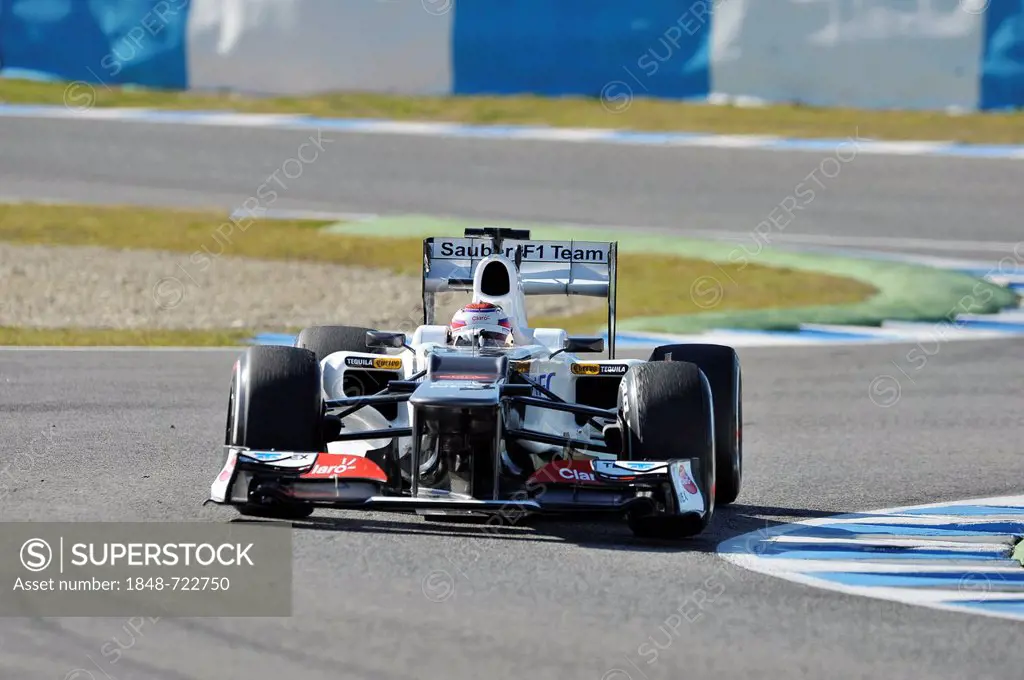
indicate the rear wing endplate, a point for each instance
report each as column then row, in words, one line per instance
column 545, row 267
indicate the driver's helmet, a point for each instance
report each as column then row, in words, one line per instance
column 481, row 320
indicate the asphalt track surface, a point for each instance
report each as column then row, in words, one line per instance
column 680, row 189
column 109, row 436
column 133, row 435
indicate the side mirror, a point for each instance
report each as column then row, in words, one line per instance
column 575, row 345
column 402, row 386
column 516, row 390
column 385, row 339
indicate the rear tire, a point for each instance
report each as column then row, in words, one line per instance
column 276, row 404
column 721, row 365
column 326, row 340
column 665, row 413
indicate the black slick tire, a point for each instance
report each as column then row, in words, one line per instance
column 721, row 365
column 326, row 340
column 275, row 404
column 665, row 413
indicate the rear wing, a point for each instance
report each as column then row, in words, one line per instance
column 545, row 267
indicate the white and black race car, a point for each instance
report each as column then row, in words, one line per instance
column 366, row 419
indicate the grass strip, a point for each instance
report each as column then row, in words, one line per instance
column 650, row 284
column 111, row 337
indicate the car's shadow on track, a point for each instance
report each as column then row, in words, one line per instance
column 586, row 531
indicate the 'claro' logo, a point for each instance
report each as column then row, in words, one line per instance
column 586, row 369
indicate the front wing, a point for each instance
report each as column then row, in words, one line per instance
column 354, row 482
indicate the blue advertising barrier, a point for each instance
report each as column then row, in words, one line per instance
column 656, row 48
column 1002, row 68
column 118, row 42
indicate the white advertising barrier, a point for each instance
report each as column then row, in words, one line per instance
column 856, row 53
column 308, row 46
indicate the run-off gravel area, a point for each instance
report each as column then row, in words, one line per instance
column 78, row 286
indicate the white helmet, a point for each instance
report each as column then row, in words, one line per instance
column 481, row 320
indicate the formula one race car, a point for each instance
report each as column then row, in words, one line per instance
column 357, row 418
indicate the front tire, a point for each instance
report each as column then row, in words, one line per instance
column 665, row 413
column 276, row 404
column 721, row 365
